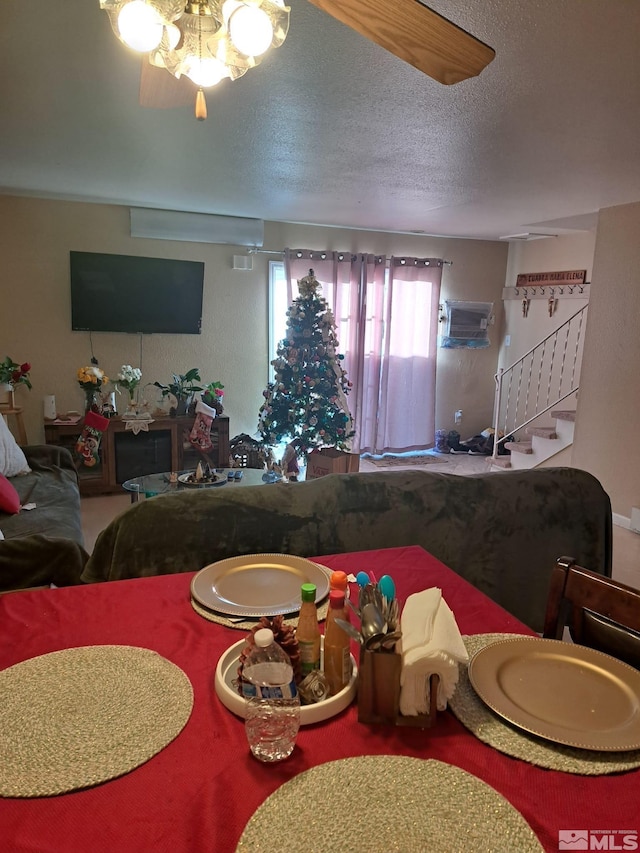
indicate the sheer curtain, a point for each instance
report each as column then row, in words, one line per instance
column 387, row 329
column 406, row 419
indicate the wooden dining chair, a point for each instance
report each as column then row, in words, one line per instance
column 598, row 611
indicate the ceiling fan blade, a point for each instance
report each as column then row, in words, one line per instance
column 416, row 34
column 161, row 90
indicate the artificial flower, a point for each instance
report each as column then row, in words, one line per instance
column 128, row 378
column 213, row 393
column 91, row 378
column 15, row 374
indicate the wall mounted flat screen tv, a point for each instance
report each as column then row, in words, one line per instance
column 126, row 293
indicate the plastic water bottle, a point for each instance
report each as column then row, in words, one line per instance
column 272, row 711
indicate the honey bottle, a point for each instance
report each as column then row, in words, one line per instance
column 308, row 630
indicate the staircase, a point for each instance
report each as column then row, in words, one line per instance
column 534, row 409
column 540, row 443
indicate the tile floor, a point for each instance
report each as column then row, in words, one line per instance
column 97, row 512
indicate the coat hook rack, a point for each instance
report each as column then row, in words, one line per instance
column 543, row 291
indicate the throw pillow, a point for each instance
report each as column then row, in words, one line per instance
column 12, row 459
column 9, row 499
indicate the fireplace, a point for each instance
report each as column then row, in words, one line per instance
column 145, row 453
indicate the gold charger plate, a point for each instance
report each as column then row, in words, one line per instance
column 257, row 584
column 566, row 693
column 398, row 803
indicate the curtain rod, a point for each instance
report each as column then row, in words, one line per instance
column 281, row 252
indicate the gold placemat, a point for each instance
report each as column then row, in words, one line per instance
column 78, row 717
column 398, row 803
column 491, row 729
column 243, row 624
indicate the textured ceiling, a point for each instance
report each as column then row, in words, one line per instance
column 333, row 130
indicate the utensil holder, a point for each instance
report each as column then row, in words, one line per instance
column 379, row 692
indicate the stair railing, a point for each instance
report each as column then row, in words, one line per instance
column 540, row 380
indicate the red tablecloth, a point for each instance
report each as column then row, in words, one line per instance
column 197, row 794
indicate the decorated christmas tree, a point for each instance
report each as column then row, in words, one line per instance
column 307, row 401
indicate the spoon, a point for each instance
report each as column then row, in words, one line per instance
column 383, row 641
column 372, row 621
column 374, row 642
column 348, row 628
column 353, row 607
column 362, row 579
column 387, row 587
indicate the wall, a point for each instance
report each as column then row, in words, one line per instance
column 35, row 325
column 35, row 239
column 606, row 437
column 568, row 252
column 608, row 407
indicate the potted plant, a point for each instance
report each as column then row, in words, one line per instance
column 183, row 387
column 212, row 395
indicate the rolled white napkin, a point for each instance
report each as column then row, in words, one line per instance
column 431, row 643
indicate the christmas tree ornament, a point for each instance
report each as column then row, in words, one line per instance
column 289, row 462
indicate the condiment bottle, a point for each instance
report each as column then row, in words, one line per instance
column 338, row 580
column 337, row 659
column 308, row 630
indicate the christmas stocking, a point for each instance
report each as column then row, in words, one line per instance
column 89, row 440
column 200, row 435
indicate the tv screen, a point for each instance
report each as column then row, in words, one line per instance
column 125, row 293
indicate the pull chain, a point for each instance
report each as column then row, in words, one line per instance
column 201, row 101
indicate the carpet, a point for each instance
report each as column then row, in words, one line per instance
column 404, row 461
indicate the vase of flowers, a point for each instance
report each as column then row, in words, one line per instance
column 212, row 395
column 91, row 379
column 129, row 379
column 13, row 374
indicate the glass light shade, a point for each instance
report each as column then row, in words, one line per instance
column 204, row 72
column 169, row 10
column 140, row 26
column 250, row 30
column 173, row 36
column 197, row 38
column 170, row 39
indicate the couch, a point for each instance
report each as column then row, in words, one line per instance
column 501, row 531
column 43, row 545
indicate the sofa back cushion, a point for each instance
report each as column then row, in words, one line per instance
column 12, row 459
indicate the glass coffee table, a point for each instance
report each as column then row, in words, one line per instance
column 150, row 485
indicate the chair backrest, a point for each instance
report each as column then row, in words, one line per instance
column 599, row 612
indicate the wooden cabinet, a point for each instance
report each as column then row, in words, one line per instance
column 164, row 446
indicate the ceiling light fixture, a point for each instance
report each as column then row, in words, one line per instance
column 206, row 40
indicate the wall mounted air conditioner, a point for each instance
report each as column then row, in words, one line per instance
column 196, row 227
column 466, row 324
